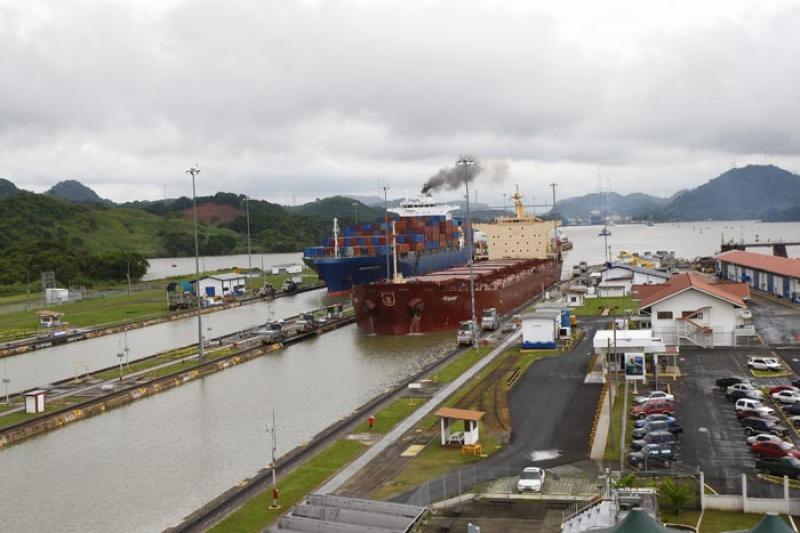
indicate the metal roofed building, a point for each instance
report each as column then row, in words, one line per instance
column 340, row 514
column 779, row 276
column 222, row 284
column 617, row 274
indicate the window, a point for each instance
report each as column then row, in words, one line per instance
column 664, row 315
column 692, row 315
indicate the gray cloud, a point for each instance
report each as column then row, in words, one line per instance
column 311, row 98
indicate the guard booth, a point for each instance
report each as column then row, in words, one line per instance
column 469, row 438
column 35, row 401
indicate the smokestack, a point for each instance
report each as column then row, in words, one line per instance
column 453, row 177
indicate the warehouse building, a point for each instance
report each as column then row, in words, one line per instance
column 779, row 276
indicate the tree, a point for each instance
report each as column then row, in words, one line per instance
column 675, row 495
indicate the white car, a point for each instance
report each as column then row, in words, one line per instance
column 748, row 389
column 764, row 363
column 531, row 479
column 787, row 396
column 655, row 395
column 763, row 437
column 748, row 404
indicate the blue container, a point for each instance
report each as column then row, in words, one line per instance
column 565, row 313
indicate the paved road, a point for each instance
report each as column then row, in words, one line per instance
column 778, row 324
column 552, row 411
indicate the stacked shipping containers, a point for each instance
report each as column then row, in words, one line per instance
column 420, row 234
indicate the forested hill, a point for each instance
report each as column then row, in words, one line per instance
column 88, row 242
column 629, row 205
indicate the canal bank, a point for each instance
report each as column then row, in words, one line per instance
column 41, row 367
column 38, row 343
column 140, row 389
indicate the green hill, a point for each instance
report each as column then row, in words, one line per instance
column 340, row 207
column 75, row 191
column 7, row 188
column 751, row 192
column 580, row 207
column 90, row 242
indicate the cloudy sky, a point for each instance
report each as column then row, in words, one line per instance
column 297, row 99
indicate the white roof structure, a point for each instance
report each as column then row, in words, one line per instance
column 628, row 340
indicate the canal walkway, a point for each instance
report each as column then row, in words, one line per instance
column 403, row 427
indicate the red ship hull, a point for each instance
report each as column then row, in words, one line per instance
column 440, row 301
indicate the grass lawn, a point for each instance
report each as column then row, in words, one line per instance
column 255, row 515
column 612, row 445
column 392, row 415
column 769, row 373
column 92, row 312
column 688, row 518
column 594, row 306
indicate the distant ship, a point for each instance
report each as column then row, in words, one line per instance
column 423, row 232
column 524, row 261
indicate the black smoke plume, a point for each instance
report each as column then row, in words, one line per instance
column 455, row 176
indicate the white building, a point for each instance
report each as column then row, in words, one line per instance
column 779, row 276
column 575, row 296
column 691, row 310
column 540, row 329
column 618, row 274
column 223, row 285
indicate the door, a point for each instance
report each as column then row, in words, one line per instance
column 769, row 282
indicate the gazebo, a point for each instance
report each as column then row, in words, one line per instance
column 771, row 523
column 470, row 436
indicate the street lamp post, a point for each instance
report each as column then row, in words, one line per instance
column 6, row 381
column 249, row 256
column 120, row 357
column 127, row 349
column 465, row 163
column 272, row 431
column 194, row 172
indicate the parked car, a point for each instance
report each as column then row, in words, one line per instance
column 743, row 390
column 779, row 466
column 724, row 383
column 753, row 425
column 793, row 409
column 654, row 437
column 671, row 420
column 654, row 395
column 774, row 449
column 764, row 437
column 779, row 388
column 652, row 408
column 748, row 404
column 531, row 479
column 764, row 363
column 796, row 383
column 786, row 396
column 741, row 415
column 661, row 425
column 653, row 456
column 795, row 420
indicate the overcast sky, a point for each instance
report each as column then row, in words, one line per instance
column 282, row 99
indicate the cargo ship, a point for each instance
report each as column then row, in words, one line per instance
column 524, row 261
column 422, row 231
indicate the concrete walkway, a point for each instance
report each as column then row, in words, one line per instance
column 350, row 470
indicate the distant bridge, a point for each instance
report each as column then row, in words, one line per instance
column 778, row 248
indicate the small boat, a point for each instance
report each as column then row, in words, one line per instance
column 174, row 265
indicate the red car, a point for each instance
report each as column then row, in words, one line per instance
column 653, row 407
column 775, row 449
column 743, row 414
column 779, row 388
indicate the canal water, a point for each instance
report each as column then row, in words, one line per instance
column 145, row 466
column 52, row 364
column 163, row 267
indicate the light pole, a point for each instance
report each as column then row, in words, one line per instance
column 504, row 204
column 6, row 381
column 120, row 356
column 127, row 349
column 465, row 163
column 194, row 172
column 272, row 431
column 386, row 220
column 249, row 256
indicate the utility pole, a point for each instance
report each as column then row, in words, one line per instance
column 355, row 208
column 249, row 256
column 465, row 163
column 386, row 220
column 128, row 274
column 28, row 290
column 609, row 386
column 553, row 209
column 6, row 381
column 275, row 493
column 201, row 356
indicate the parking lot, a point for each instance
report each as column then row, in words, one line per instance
column 778, row 324
column 713, row 439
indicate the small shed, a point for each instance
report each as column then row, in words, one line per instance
column 223, row 284
column 575, row 296
column 49, row 319
column 470, row 435
column 35, row 401
column 56, row 296
column 540, row 329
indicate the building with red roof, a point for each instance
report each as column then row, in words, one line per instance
column 779, row 276
column 691, row 309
